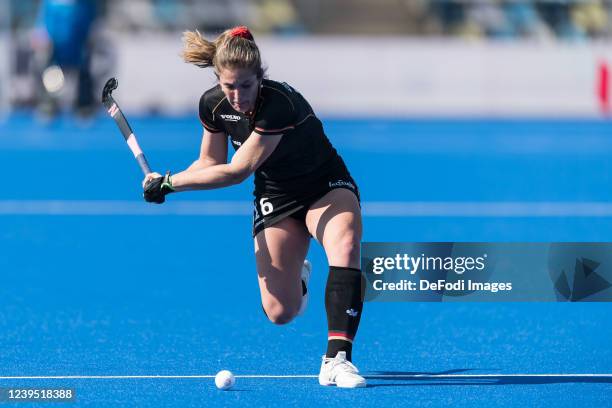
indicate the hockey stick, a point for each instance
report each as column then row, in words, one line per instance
column 115, row 112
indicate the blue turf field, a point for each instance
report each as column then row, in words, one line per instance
column 96, row 283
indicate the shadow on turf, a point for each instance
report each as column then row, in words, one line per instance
column 423, row 379
column 410, row 374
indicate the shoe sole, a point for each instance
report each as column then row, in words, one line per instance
column 331, row 383
column 359, row 385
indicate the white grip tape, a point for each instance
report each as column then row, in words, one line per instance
column 133, row 144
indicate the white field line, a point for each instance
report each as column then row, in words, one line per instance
column 370, row 209
column 404, row 376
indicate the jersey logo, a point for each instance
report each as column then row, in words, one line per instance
column 341, row 183
column 230, row 118
column 237, row 143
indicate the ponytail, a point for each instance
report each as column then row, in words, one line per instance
column 234, row 48
column 197, row 50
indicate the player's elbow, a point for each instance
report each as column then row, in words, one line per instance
column 208, row 161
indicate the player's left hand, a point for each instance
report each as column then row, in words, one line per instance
column 156, row 187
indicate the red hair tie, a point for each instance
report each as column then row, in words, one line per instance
column 241, row 31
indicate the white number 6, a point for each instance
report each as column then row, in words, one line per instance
column 266, row 208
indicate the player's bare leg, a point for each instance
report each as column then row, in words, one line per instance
column 280, row 251
column 335, row 221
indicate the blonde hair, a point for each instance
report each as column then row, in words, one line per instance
column 234, row 48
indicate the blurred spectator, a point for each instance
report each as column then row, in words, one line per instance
column 524, row 20
column 497, row 19
column 61, row 42
column 23, row 13
column 505, row 19
column 277, row 16
column 590, row 18
column 487, row 18
column 419, row 20
column 556, row 13
column 451, row 14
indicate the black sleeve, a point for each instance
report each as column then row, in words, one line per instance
column 276, row 115
column 206, row 116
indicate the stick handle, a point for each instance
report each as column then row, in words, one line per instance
column 115, row 112
column 138, row 154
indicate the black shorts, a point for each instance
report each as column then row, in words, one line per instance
column 270, row 208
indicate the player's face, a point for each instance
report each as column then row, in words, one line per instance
column 240, row 86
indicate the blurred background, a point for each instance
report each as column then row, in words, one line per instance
column 411, row 57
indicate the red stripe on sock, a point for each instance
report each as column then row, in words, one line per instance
column 339, row 334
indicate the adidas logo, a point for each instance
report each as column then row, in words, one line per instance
column 352, row 312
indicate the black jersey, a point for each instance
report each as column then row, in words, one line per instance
column 304, row 153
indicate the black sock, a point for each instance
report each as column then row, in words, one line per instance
column 344, row 304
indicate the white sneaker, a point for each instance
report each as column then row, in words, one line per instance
column 340, row 372
column 305, row 275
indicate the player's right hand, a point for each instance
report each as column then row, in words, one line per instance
column 150, row 177
column 156, row 187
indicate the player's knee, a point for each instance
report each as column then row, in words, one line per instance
column 278, row 313
column 346, row 248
